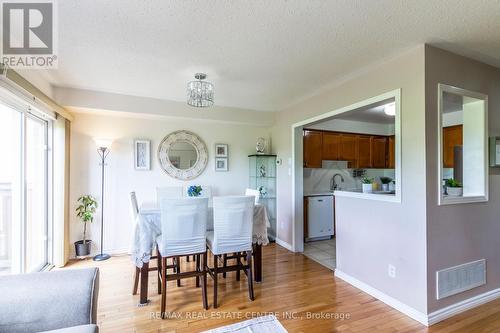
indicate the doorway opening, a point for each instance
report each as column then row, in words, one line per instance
column 350, row 152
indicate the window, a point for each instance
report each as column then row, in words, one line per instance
column 24, row 179
column 463, row 132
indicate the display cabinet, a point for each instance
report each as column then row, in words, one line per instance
column 263, row 179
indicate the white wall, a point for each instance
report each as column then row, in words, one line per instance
column 121, row 178
column 457, row 234
column 373, row 234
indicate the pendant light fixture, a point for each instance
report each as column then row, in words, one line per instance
column 200, row 93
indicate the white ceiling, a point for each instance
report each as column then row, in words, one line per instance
column 261, row 54
column 373, row 113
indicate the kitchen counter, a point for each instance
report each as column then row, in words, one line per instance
column 358, row 193
column 318, row 194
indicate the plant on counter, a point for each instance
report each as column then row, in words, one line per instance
column 385, row 183
column 452, row 183
column 194, row 190
column 453, row 187
column 85, row 212
column 385, row 180
column 367, row 184
column 367, row 180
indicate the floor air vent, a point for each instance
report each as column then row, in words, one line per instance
column 454, row 280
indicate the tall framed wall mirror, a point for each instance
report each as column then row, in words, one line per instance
column 463, row 145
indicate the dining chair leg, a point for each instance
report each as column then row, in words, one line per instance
column 238, row 263
column 178, row 270
column 163, row 287
column 136, row 280
column 216, row 273
column 159, row 265
column 250, row 276
column 204, row 280
column 224, row 264
column 197, row 265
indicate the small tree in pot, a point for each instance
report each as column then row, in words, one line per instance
column 85, row 212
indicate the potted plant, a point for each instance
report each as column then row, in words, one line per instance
column 85, row 212
column 194, row 190
column 454, row 188
column 367, row 184
column 385, row 183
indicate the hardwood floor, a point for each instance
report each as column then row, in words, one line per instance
column 293, row 286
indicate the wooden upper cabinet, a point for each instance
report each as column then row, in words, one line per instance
column 359, row 150
column 379, row 152
column 391, row 154
column 452, row 137
column 331, row 146
column 313, row 148
column 364, row 153
column 347, row 151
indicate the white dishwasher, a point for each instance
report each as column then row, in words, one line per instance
column 320, row 216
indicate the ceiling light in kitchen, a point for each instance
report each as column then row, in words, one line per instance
column 390, row 109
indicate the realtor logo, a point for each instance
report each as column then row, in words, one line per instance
column 28, row 34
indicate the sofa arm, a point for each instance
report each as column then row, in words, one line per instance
column 48, row 301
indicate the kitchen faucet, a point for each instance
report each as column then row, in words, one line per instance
column 333, row 184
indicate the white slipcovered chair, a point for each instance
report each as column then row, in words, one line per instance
column 232, row 238
column 134, row 212
column 169, row 192
column 254, row 193
column 183, row 227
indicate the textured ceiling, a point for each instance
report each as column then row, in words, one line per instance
column 261, row 54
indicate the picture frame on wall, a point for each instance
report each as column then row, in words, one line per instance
column 221, row 150
column 142, row 154
column 221, row 164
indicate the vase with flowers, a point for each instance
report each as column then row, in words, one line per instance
column 194, row 190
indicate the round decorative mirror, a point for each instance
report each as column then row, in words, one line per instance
column 183, row 155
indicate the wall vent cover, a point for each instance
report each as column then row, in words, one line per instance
column 454, row 280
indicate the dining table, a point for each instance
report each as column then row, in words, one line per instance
column 148, row 227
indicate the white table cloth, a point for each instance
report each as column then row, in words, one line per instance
column 148, row 227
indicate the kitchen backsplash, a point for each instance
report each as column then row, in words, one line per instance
column 318, row 180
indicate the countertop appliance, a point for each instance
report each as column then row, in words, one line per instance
column 320, row 217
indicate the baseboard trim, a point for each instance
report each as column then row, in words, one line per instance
column 470, row 303
column 284, row 244
column 392, row 302
column 112, row 252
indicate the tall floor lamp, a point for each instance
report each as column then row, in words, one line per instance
column 103, row 146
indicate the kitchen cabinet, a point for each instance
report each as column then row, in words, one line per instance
column 348, row 149
column 313, row 148
column 331, row 146
column 391, row 154
column 452, row 137
column 379, row 152
column 362, row 151
column 364, row 154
